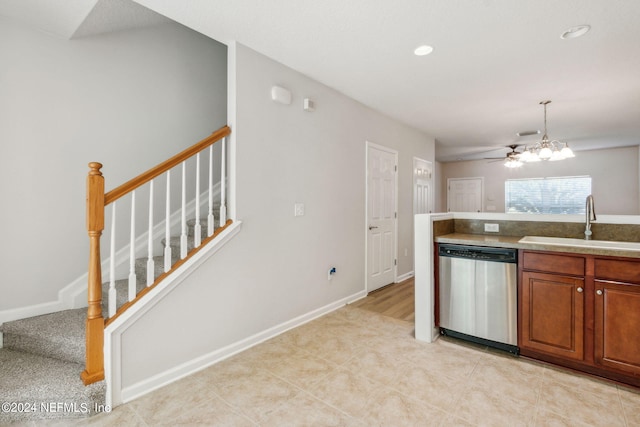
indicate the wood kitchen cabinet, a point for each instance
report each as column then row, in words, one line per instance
column 582, row 312
column 552, row 314
column 551, row 304
column 617, row 315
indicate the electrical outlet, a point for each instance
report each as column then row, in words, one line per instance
column 493, row 228
column 331, row 272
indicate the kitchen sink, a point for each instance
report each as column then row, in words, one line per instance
column 581, row 243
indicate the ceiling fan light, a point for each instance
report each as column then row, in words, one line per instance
column 512, row 163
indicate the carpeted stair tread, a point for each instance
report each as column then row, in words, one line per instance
column 204, row 225
column 122, row 293
column 158, row 267
column 59, row 335
column 35, row 379
column 175, row 243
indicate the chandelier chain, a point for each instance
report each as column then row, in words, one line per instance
column 544, row 104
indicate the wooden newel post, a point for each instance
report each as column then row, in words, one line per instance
column 94, row 369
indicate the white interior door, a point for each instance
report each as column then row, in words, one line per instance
column 464, row 194
column 422, row 186
column 381, row 216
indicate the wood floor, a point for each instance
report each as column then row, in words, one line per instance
column 395, row 300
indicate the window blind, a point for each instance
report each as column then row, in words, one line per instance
column 558, row 195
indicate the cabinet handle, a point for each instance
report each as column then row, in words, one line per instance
column 599, row 292
column 579, row 290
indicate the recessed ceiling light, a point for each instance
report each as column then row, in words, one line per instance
column 423, row 50
column 575, row 32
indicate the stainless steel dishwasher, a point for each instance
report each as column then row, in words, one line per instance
column 478, row 294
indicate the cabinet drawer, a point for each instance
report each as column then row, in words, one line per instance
column 555, row 262
column 617, row 270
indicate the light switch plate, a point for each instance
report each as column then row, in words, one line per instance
column 298, row 209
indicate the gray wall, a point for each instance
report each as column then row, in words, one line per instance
column 614, row 175
column 276, row 268
column 128, row 100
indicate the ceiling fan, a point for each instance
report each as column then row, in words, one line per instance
column 512, row 158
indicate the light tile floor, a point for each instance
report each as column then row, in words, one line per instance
column 358, row 368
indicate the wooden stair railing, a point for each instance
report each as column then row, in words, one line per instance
column 97, row 200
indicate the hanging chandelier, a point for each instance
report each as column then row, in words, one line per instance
column 546, row 149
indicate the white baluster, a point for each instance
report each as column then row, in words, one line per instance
column 197, row 232
column 111, row 304
column 183, row 235
column 223, row 172
column 210, row 217
column 167, row 237
column 150, row 264
column 132, row 249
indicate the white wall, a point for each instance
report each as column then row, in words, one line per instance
column 128, row 100
column 439, row 206
column 614, row 175
column 276, row 268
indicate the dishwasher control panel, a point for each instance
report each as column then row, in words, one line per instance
column 482, row 253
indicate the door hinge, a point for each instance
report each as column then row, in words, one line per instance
column 395, row 262
column 395, row 215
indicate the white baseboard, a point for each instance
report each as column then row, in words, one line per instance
column 404, row 277
column 146, row 386
column 31, row 310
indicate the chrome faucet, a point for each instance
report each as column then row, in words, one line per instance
column 591, row 216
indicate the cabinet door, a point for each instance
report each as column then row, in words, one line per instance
column 617, row 325
column 552, row 315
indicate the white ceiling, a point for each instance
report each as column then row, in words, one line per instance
column 493, row 60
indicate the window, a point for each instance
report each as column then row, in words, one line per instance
column 561, row 195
